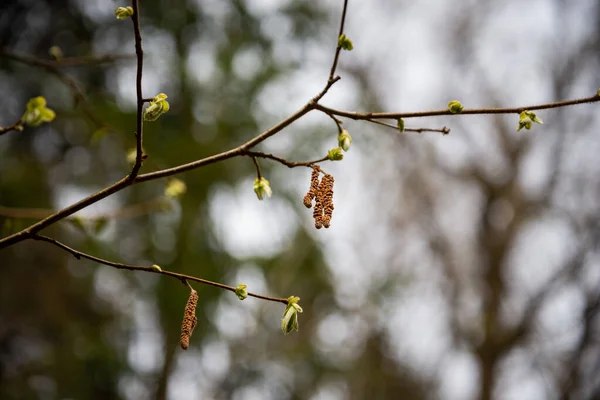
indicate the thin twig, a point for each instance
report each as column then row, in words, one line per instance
column 338, row 122
column 443, row 130
column 181, row 277
column 139, row 52
column 255, row 161
column 287, row 163
column 13, row 127
column 469, row 111
column 338, row 49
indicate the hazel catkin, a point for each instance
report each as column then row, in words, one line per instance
column 189, row 320
column 314, row 186
column 326, row 192
column 322, row 192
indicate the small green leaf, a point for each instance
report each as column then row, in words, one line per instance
column 335, row 154
column 35, row 103
column 262, row 188
column 36, row 112
column 123, row 12
column 158, row 106
column 47, row 115
column 289, row 322
column 241, row 291
column 455, row 107
column 526, row 120
column 345, row 43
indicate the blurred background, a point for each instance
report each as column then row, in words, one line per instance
column 461, row 266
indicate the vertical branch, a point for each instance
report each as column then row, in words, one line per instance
column 338, row 48
column 139, row 134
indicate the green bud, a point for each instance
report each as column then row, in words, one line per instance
column 158, row 106
column 19, row 128
column 344, row 140
column 289, row 322
column 241, row 291
column 345, row 43
column 123, row 12
column 401, row 124
column 35, row 103
column 455, row 107
column 526, row 120
column 36, row 112
column 262, row 188
column 598, row 93
column 175, row 188
column 156, row 268
column 335, row 154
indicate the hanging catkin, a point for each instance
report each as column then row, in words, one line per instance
column 189, row 320
column 314, row 185
column 327, row 199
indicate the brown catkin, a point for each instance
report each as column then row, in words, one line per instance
column 327, row 199
column 189, row 320
column 320, row 201
column 314, row 186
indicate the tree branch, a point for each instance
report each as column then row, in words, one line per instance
column 139, row 52
column 181, row 277
column 470, row 111
column 338, row 49
column 443, row 130
column 287, row 163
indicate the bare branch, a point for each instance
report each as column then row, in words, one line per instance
column 287, row 163
column 466, row 111
column 139, row 52
column 443, row 130
column 338, row 48
column 181, row 277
